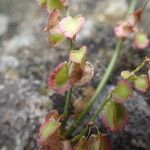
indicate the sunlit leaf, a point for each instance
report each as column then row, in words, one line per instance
column 122, row 91
column 142, row 83
column 71, row 26
column 114, row 116
column 59, row 79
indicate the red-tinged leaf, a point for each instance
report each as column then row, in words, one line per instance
column 56, row 39
column 53, row 20
column 114, row 116
column 99, row 142
column 122, row 92
column 81, row 145
column 59, row 79
column 47, row 130
column 87, row 74
column 53, row 114
column 142, row 83
column 71, row 26
column 55, row 4
column 141, row 40
column 78, row 56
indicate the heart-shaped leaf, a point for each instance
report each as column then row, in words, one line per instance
column 122, row 92
column 59, row 79
column 99, row 142
column 142, row 83
column 71, row 26
column 114, row 116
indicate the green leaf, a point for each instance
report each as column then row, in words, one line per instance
column 59, row 79
column 48, row 129
column 142, row 83
column 56, row 39
column 122, row 92
column 54, row 4
column 114, row 116
column 78, row 56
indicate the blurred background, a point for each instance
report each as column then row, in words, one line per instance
column 27, row 58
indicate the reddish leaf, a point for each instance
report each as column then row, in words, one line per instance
column 114, row 116
column 59, row 79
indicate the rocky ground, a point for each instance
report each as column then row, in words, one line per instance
column 26, row 59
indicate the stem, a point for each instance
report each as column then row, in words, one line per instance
column 103, row 82
column 84, row 132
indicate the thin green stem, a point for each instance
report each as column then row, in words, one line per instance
column 85, row 131
column 103, row 82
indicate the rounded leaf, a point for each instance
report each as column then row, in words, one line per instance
column 142, row 83
column 55, row 4
column 87, row 74
column 47, row 129
column 114, row 116
column 71, row 26
column 122, row 92
column 59, row 79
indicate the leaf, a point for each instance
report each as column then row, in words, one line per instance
column 142, row 83
column 141, row 40
column 78, row 56
column 47, row 129
column 55, row 4
column 114, row 116
column 87, row 74
column 99, row 142
column 59, row 79
column 53, row 20
column 122, row 92
column 71, row 26
column 56, row 38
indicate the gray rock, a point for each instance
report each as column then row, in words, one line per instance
column 4, row 22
